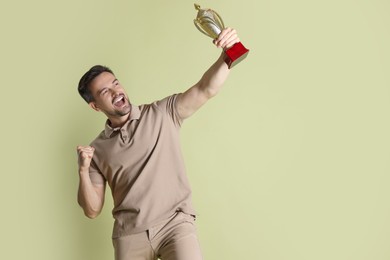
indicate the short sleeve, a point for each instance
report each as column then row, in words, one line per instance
column 168, row 105
column 95, row 175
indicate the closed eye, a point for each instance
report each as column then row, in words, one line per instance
column 103, row 91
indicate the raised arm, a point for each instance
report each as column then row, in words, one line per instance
column 90, row 196
column 212, row 80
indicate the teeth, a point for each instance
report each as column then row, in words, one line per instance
column 116, row 100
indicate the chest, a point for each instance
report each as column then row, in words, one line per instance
column 133, row 149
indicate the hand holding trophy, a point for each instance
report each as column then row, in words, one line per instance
column 210, row 23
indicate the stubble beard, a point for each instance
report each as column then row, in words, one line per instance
column 122, row 111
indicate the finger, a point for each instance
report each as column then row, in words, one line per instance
column 229, row 39
column 228, row 44
column 224, row 32
column 221, row 36
column 86, row 153
column 86, row 156
column 85, row 148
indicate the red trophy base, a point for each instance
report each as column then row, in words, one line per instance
column 235, row 54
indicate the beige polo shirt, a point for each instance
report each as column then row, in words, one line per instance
column 143, row 165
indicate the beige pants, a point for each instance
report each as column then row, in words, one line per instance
column 174, row 239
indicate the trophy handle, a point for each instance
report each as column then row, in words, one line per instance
column 207, row 22
column 219, row 18
column 196, row 22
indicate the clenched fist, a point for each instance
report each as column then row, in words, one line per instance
column 85, row 154
column 227, row 38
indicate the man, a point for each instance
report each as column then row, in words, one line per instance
column 138, row 155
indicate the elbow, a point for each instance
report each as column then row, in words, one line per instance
column 91, row 214
column 211, row 92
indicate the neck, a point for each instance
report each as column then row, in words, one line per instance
column 116, row 121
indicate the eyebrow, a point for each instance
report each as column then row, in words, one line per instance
column 100, row 91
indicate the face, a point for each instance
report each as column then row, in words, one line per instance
column 109, row 97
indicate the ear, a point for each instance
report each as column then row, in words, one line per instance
column 94, row 106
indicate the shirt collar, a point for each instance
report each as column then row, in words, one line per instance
column 135, row 114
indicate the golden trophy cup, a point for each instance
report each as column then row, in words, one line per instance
column 211, row 24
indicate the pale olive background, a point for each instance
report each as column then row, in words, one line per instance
column 289, row 162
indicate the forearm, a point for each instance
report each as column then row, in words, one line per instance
column 213, row 79
column 88, row 198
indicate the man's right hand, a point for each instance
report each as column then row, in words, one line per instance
column 85, row 154
column 90, row 196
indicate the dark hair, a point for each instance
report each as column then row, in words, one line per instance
column 87, row 78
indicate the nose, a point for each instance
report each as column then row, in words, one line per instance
column 114, row 92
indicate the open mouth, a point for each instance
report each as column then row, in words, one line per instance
column 119, row 101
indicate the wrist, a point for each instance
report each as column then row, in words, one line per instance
column 83, row 171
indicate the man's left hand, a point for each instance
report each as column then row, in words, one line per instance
column 227, row 38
